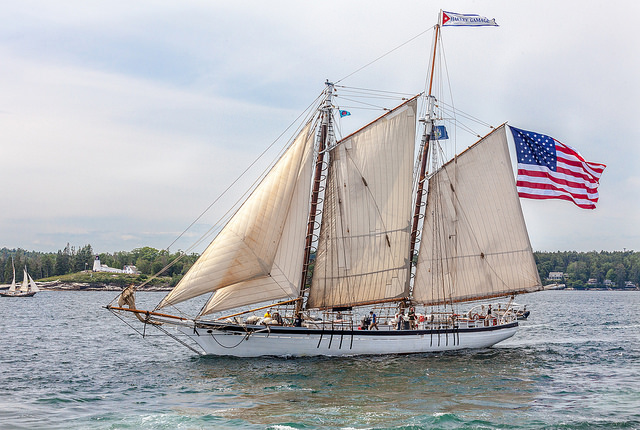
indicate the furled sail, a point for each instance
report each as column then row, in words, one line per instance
column 365, row 231
column 474, row 241
column 253, row 255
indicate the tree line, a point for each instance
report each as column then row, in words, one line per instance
column 147, row 260
column 578, row 267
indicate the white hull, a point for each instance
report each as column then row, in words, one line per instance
column 255, row 341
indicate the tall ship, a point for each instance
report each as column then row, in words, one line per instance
column 369, row 244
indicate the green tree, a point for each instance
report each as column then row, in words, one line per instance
column 8, row 270
column 47, row 265
column 63, row 260
column 621, row 275
column 83, row 259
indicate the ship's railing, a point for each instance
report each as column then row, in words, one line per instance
column 348, row 320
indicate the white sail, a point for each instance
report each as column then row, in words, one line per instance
column 285, row 276
column 474, row 241
column 365, row 232
column 25, row 282
column 12, row 288
column 32, row 285
column 244, row 255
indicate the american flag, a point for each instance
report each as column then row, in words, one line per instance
column 548, row 169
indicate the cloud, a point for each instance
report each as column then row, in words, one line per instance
column 118, row 119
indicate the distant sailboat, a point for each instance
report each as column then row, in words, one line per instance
column 27, row 289
column 358, row 293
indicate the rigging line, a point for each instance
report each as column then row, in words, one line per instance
column 336, row 125
column 372, row 96
column 377, row 109
column 451, row 108
column 365, row 95
column 373, row 90
column 384, row 55
column 304, row 112
column 174, row 337
column 367, row 104
column 462, row 125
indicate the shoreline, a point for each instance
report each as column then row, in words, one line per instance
column 86, row 286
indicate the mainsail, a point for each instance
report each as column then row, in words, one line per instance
column 474, row 241
column 254, row 257
column 364, row 236
column 12, row 288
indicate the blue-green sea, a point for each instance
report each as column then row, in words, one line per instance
column 67, row 363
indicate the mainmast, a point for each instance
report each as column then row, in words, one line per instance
column 317, row 179
column 428, row 122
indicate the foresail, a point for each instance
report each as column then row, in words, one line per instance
column 25, row 282
column 283, row 281
column 32, row 285
column 244, row 255
column 474, row 242
column 365, row 232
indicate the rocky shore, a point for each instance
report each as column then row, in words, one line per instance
column 59, row 285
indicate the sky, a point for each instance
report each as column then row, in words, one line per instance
column 121, row 122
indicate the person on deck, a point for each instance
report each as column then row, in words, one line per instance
column 277, row 318
column 400, row 319
column 412, row 318
column 374, row 321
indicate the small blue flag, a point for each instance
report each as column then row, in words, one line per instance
column 439, row 133
column 344, row 113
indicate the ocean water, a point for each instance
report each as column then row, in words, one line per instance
column 67, row 363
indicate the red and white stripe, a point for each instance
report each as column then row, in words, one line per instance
column 575, row 179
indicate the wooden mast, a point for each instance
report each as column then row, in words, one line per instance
column 317, row 179
column 428, row 128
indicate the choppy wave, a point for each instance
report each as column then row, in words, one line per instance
column 66, row 363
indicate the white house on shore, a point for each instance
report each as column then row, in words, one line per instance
column 556, row 276
column 98, row 267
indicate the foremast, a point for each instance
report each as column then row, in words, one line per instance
column 323, row 138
